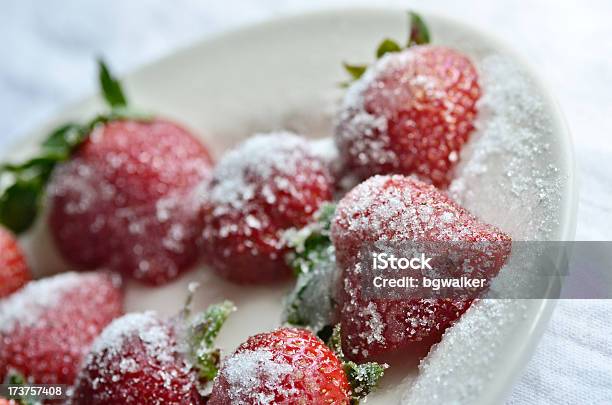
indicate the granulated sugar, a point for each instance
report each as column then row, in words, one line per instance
column 47, row 327
column 267, row 184
column 505, row 177
column 246, row 371
column 136, row 352
column 258, row 157
column 459, row 368
column 146, row 326
column 36, row 298
column 508, row 157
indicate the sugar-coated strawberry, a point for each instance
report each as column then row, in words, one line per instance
column 47, row 327
column 410, row 113
column 14, row 270
column 124, row 191
column 142, row 356
column 286, row 366
column 392, row 213
column 137, row 357
column 267, row 185
column 127, row 200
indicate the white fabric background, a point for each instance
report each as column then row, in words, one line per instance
column 47, row 51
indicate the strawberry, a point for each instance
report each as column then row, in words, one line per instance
column 14, row 271
column 47, row 326
column 125, row 200
column 122, row 191
column 267, row 185
column 166, row 361
column 392, row 213
column 286, row 366
column 410, row 113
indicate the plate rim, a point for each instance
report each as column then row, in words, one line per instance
column 570, row 196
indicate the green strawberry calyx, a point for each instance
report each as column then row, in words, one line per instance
column 418, row 34
column 363, row 378
column 22, row 185
column 201, row 331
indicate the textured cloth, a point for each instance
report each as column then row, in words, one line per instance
column 572, row 364
column 48, row 49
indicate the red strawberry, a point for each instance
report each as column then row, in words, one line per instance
column 286, row 366
column 14, row 271
column 141, row 356
column 46, row 327
column 388, row 212
column 267, row 185
column 126, row 200
column 410, row 113
column 122, row 194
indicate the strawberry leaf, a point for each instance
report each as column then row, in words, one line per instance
column 19, row 205
column 14, row 378
column 203, row 330
column 312, row 259
column 356, row 71
column 335, row 342
column 111, row 87
column 386, row 46
column 22, row 197
column 65, row 138
column 363, row 378
column 419, row 33
column 24, row 183
column 309, row 244
column 42, row 164
column 207, row 324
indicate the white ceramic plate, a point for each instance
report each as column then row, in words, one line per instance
column 285, row 74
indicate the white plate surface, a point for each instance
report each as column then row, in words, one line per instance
column 285, row 74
